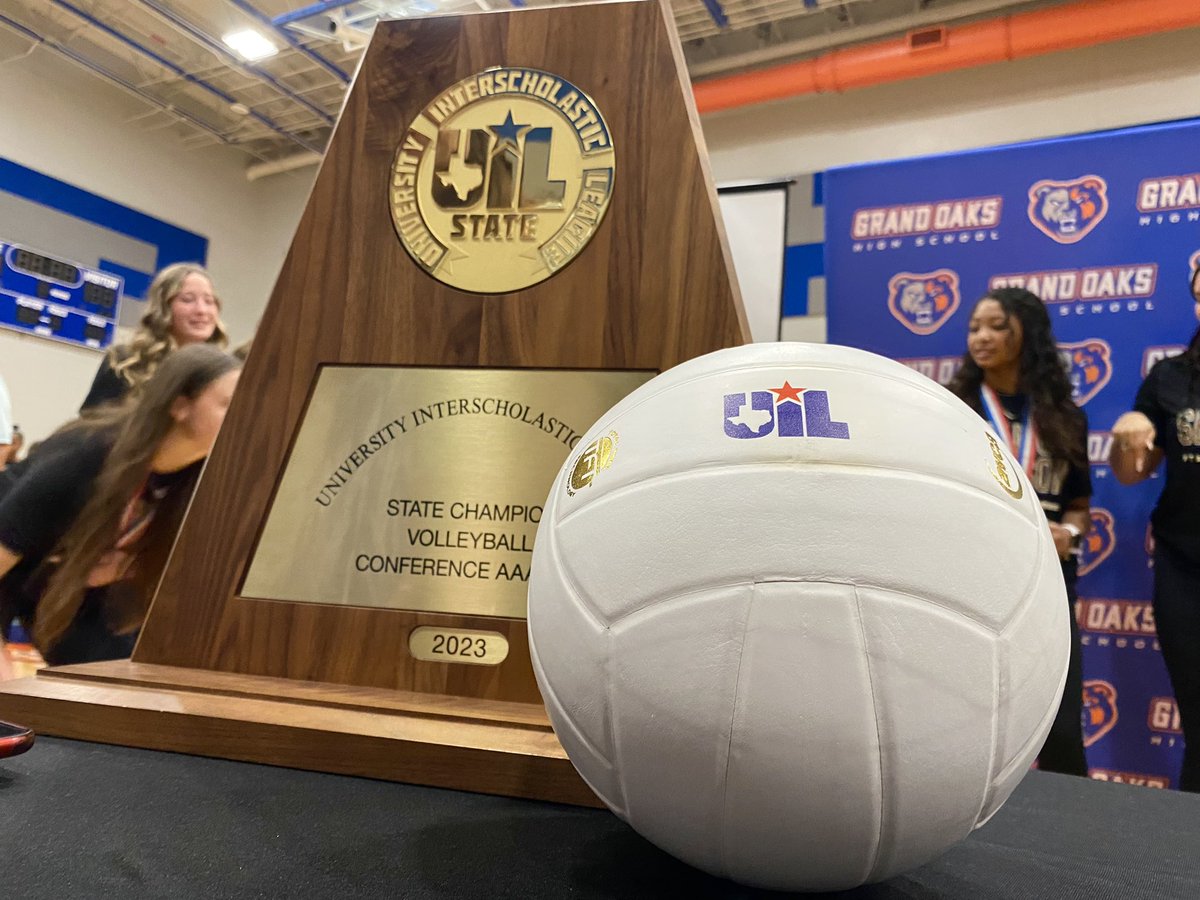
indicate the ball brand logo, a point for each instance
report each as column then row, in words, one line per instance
column 1067, row 211
column 924, row 301
column 1099, row 710
column 798, row 412
column 1099, row 543
column 1163, row 715
column 1000, row 470
column 1089, row 366
column 1151, row 356
column 595, row 458
column 502, row 180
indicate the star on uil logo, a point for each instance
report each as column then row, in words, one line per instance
column 502, row 180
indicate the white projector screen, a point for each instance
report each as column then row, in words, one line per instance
column 755, row 217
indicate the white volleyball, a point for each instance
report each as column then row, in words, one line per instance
column 797, row 616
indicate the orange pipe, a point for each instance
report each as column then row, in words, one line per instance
column 1081, row 24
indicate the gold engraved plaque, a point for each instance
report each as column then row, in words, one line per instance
column 455, row 645
column 422, row 488
column 502, row 179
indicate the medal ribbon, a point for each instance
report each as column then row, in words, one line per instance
column 1026, row 454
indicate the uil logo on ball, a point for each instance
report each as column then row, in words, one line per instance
column 596, row 457
column 1067, row 211
column 502, row 180
column 787, row 411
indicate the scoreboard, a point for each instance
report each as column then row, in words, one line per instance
column 51, row 297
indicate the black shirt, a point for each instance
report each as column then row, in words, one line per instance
column 107, row 387
column 41, row 495
column 40, row 498
column 1170, row 398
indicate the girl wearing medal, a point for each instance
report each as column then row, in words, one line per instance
column 1013, row 376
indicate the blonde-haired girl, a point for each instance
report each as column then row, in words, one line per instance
column 181, row 309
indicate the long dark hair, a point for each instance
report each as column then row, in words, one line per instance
column 139, row 426
column 1043, row 378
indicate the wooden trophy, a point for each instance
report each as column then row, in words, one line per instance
column 514, row 226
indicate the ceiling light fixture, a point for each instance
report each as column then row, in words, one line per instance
column 249, row 45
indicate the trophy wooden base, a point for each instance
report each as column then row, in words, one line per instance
column 469, row 744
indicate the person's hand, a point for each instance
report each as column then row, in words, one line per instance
column 1134, row 433
column 1062, row 540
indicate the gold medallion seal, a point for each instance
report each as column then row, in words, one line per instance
column 502, row 180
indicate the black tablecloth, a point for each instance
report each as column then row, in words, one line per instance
column 87, row 820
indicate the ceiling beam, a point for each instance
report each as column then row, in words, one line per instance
column 230, row 58
column 170, row 66
column 254, row 13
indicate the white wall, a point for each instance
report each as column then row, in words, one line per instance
column 72, row 126
column 1132, row 82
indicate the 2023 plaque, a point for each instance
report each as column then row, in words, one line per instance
column 421, row 488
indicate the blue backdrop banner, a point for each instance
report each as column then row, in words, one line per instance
column 1105, row 228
